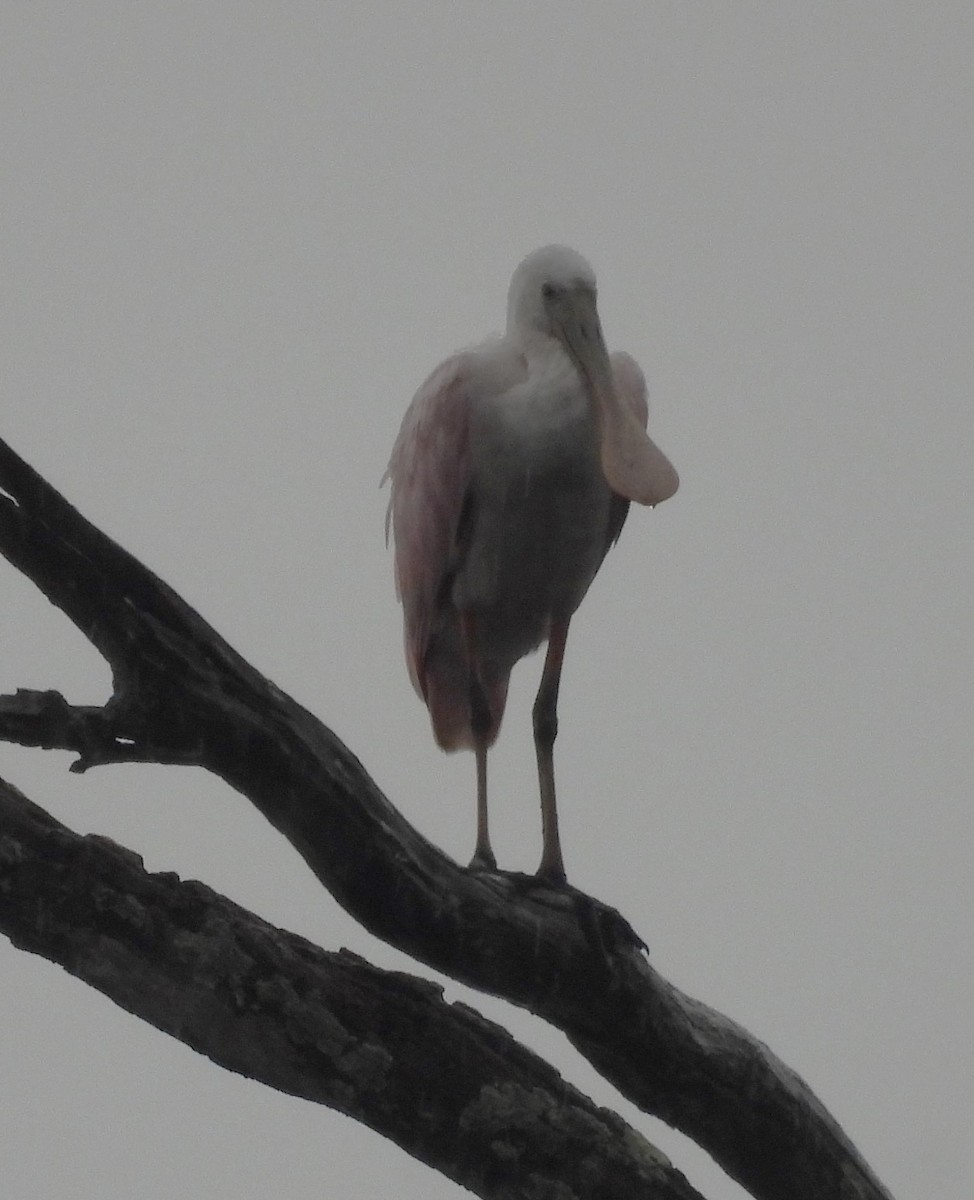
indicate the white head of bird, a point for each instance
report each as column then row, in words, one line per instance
column 540, row 283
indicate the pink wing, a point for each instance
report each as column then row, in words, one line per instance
column 430, row 471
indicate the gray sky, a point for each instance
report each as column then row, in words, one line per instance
column 236, row 237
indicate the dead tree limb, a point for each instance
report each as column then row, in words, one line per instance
column 453, row 1089
column 181, row 694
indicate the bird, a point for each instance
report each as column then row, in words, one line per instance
column 511, row 477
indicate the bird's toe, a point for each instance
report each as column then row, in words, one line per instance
column 483, row 861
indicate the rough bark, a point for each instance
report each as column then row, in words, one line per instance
column 453, row 1089
column 181, row 694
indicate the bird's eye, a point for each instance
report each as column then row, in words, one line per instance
column 547, row 290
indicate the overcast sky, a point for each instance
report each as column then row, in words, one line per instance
column 237, row 236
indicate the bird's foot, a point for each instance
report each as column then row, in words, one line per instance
column 551, row 874
column 483, row 860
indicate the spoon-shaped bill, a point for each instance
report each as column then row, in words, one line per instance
column 633, row 464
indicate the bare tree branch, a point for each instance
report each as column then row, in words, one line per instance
column 453, row 1089
column 183, row 695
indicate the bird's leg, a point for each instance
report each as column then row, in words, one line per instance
column 545, row 715
column 483, row 855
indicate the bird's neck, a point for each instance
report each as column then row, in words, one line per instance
column 538, row 346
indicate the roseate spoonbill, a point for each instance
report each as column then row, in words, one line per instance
column 511, row 478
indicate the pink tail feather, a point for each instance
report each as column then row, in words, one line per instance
column 446, row 690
